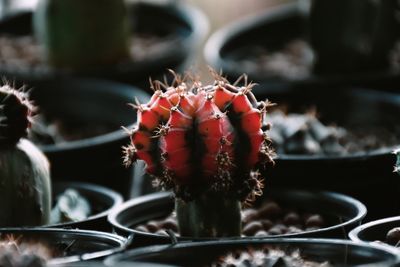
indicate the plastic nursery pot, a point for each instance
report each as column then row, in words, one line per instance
column 83, row 105
column 239, row 47
column 180, row 29
column 67, row 246
column 101, row 199
column 367, row 176
column 336, row 252
column 374, row 230
column 342, row 212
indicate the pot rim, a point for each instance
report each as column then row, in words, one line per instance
column 113, row 215
column 119, row 240
column 104, row 191
column 354, row 234
column 275, row 241
column 124, row 90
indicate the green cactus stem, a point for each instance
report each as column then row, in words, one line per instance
column 80, row 34
column 210, row 215
column 25, row 192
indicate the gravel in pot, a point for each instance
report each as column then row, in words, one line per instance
column 56, row 246
column 293, row 213
column 80, row 134
column 281, row 252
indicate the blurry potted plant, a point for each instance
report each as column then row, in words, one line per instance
column 340, row 42
column 104, row 39
column 82, row 34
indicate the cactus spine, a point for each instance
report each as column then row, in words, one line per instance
column 207, row 144
column 80, row 34
column 25, row 195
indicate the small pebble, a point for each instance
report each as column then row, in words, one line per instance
column 270, row 210
column 152, row 226
column 267, row 224
column 294, row 230
column 141, row 228
column 275, row 231
column 261, row 233
column 169, row 224
column 291, row 218
column 252, row 228
column 315, row 220
column 249, row 215
column 393, row 236
column 162, row 232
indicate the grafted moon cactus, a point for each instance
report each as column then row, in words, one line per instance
column 25, row 196
column 207, row 144
column 82, row 35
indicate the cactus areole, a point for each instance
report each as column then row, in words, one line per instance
column 25, row 195
column 207, row 144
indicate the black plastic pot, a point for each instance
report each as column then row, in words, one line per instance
column 272, row 30
column 336, row 252
column 75, row 245
column 368, row 177
column 374, row 230
column 343, row 212
column 101, row 199
column 97, row 159
column 166, row 18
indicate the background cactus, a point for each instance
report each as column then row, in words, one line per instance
column 80, row 34
column 25, row 195
column 353, row 35
column 207, row 144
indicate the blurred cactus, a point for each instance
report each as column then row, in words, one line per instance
column 352, row 36
column 25, row 192
column 81, row 34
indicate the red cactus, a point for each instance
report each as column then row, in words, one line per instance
column 201, row 138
